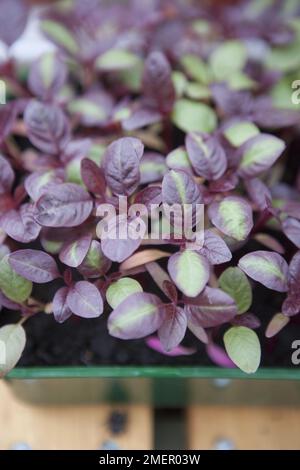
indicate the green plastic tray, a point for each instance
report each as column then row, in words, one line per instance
column 156, row 386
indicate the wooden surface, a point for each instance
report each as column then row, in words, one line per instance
column 85, row 426
column 244, row 427
column 70, row 427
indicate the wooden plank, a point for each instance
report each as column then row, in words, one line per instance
column 80, row 427
column 254, row 428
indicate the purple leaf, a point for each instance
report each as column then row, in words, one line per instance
column 266, row 267
column 206, row 155
column 267, row 116
column 141, row 117
column 233, row 216
column 226, row 183
column 73, row 252
column 122, row 238
column 247, row 319
column 158, row 88
column 8, row 115
column 84, row 299
column 258, row 192
column 211, row 308
column 38, row 182
column 148, row 196
column 215, row 249
column 63, row 205
column 121, row 165
column 173, row 328
column 154, row 343
column 194, row 325
column 7, row 176
column 178, row 187
column 137, row 316
column 291, row 305
column 258, row 154
column 21, row 225
column 170, row 290
column 291, row 228
column 92, row 176
column 294, row 270
column 13, row 19
column 34, row 265
column 292, row 209
column 47, row 127
column 76, row 149
column 61, row 310
column 158, row 274
column 231, row 102
column 219, row 356
column 190, row 272
column 269, row 242
column 7, row 303
column 47, row 75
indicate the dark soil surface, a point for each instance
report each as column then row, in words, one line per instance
column 87, row 342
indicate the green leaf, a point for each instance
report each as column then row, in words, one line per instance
column 196, row 68
column 73, row 171
column 12, row 343
column 281, row 93
column 121, row 289
column 243, row 347
column 235, row 283
column 139, row 315
column 178, row 159
column 190, row 116
column 179, row 81
column 15, row 287
column 196, row 91
column 132, row 77
column 87, row 108
column 239, row 132
column 47, row 67
column 189, row 271
column 95, row 264
column 240, row 81
column 60, row 35
column 201, row 27
column 233, row 216
column 259, row 154
column 124, row 112
column 228, row 58
column 96, row 153
column 116, row 59
column 284, row 58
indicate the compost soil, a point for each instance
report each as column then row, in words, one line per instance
column 87, row 342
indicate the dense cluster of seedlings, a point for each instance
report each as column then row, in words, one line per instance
column 159, row 102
